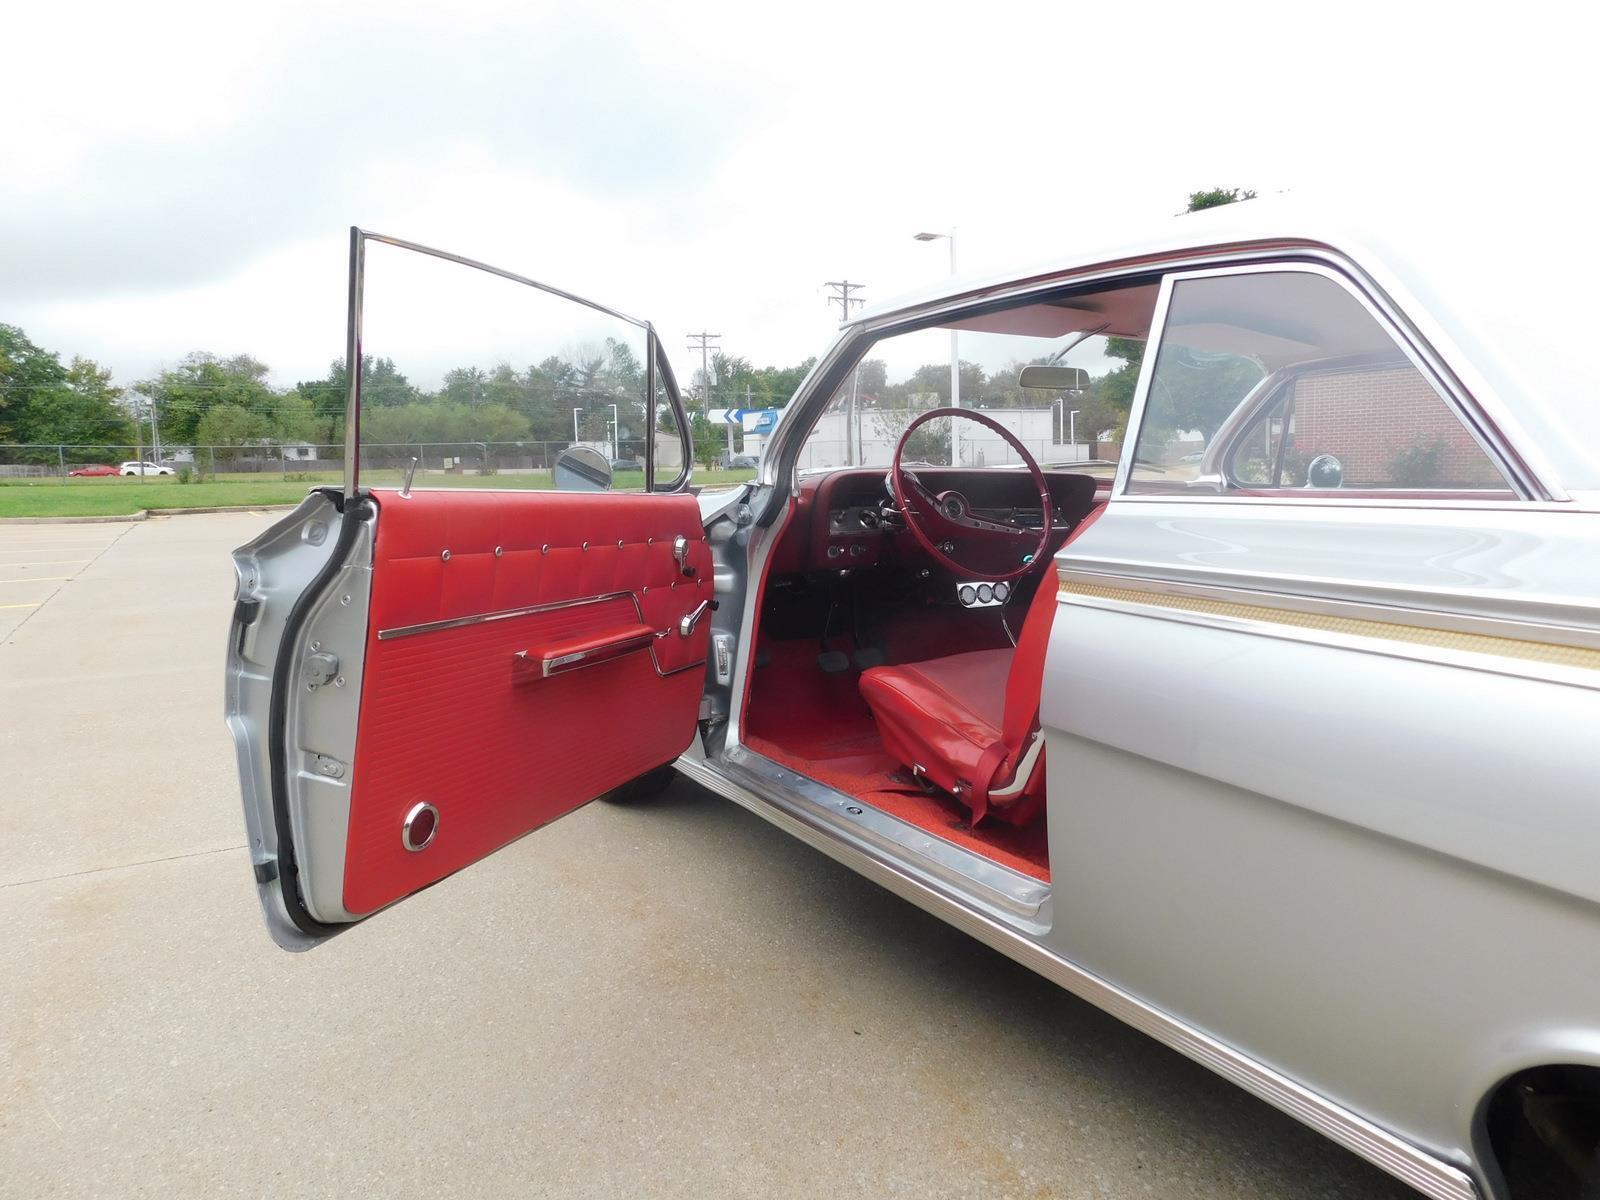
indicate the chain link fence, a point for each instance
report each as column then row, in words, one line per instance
column 300, row 461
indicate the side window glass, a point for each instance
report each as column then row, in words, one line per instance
column 475, row 379
column 1270, row 382
column 670, row 435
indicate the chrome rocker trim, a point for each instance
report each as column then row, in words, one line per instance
column 1429, row 1175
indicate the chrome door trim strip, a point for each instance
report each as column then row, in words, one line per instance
column 1430, row 1175
column 503, row 614
column 1395, row 604
column 1550, row 662
column 506, row 614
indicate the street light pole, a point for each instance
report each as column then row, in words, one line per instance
column 575, row 438
column 955, row 352
column 1072, row 421
column 616, row 433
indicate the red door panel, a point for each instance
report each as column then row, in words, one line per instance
column 452, row 716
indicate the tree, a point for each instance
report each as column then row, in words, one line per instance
column 202, row 381
column 929, row 444
column 43, row 402
column 382, row 386
column 1216, row 197
column 229, row 427
column 25, row 370
column 82, row 411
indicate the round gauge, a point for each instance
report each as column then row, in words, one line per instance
column 868, row 518
column 953, row 505
column 985, row 593
column 1002, row 592
column 968, row 593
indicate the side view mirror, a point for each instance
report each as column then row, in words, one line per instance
column 1054, row 379
column 1324, row 471
column 581, row 469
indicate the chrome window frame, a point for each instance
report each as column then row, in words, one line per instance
column 1518, row 476
column 657, row 369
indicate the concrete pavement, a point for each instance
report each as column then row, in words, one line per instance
column 668, row 1000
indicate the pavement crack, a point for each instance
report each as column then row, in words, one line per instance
column 143, row 862
column 56, row 591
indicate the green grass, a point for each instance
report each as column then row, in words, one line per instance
column 115, row 496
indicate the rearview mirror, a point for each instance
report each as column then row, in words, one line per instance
column 581, row 469
column 1054, row 379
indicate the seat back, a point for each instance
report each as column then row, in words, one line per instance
column 1025, row 681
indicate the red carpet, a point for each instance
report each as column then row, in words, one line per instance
column 817, row 724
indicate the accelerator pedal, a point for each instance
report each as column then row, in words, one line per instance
column 833, row 662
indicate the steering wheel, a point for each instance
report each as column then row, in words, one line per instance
column 933, row 522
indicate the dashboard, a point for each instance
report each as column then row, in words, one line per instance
column 846, row 518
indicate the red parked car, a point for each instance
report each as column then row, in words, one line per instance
column 94, row 469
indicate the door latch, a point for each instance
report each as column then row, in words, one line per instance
column 318, row 669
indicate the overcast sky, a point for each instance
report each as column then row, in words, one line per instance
column 181, row 177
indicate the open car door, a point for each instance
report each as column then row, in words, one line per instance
column 419, row 675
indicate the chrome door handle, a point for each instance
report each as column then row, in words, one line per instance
column 691, row 619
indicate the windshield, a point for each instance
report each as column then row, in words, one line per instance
column 1072, row 414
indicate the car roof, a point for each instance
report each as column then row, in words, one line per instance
column 1504, row 296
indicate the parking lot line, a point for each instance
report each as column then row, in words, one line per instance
column 40, row 579
column 45, row 562
column 19, row 606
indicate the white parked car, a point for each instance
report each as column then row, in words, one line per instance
column 1286, row 757
column 144, row 468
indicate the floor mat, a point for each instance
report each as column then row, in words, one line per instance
column 817, row 724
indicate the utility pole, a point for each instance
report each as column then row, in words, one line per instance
column 842, row 297
column 955, row 351
column 704, row 340
column 155, row 432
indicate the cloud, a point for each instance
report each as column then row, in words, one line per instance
column 182, row 174
column 319, row 110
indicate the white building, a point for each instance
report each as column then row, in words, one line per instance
column 869, row 439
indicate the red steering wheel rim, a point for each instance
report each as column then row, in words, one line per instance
column 898, row 486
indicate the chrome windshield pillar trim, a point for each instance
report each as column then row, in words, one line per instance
column 352, row 361
column 1429, row 1174
column 1141, row 388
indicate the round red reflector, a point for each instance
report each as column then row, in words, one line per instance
column 422, row 822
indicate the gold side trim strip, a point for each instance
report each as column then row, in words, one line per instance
column 1416, row 635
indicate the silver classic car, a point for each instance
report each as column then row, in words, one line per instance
column 1276, row 739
